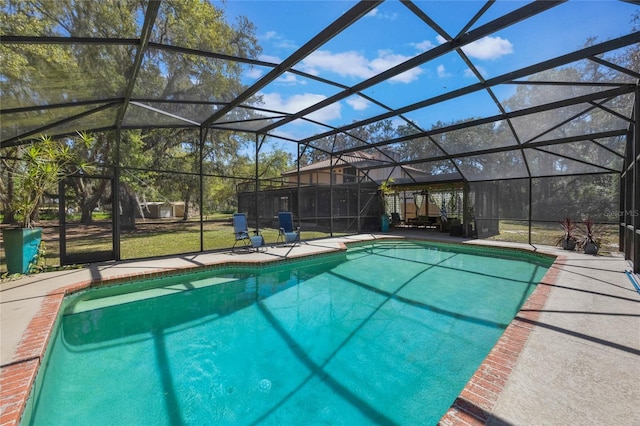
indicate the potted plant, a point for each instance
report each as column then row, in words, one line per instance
column 589, row 243
column 44, row 164
column 567, row 241
column 385, row 188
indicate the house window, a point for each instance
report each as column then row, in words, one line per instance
column 284, row 204
column 334, row 175
column 349, row 174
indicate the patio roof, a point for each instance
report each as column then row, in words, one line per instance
column 571, row 123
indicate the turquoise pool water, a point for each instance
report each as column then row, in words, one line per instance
column 388, row 333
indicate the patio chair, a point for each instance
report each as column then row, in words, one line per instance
column 241, row 233
column 396, row 219
column 287, row 233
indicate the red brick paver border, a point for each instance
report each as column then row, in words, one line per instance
column 17, row 378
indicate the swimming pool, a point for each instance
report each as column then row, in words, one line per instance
column 386, row 333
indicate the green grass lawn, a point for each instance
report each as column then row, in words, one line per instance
column 185, row 238
column 151, row 239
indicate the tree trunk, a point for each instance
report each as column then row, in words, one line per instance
column 86, row 210
column 187, row 198
column 9, row 215
column 127, row 206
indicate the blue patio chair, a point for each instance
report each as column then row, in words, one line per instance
column 241, row 233
column 287, row 233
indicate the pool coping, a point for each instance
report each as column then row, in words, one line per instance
column 472, row 407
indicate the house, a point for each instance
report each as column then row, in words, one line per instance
column 411, row 198
column 346, row 169
column 342, row 194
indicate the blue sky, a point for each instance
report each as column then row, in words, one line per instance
column 391, row 34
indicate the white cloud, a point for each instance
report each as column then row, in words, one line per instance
column 346, row 64
column 423, row 46
column 358, row 103
column 254, row 73
column 295, row 103
column 375, row 13
column 407, row 76
column 442, row 72
column 488, row 48
column 355, row 65
column 270, row 58
column 469, row 73
column 269, row 35
column 286, row 44
column 290, row 79
column 278, row 40
column 327, row 113
column 387, row 59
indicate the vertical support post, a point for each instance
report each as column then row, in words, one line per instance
column 404, row 205
column 115, row 208
column 359, row 211
column 298, row 191
column 62, row 214
column 530, row 203
column 203, row 136
column 623, row 203
column 256, row 189
column 331, row 195
column 635, row 186
column 466, row 217
column 629, row 239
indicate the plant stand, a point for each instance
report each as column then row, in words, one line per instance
column 21, row 248
column 384, row 223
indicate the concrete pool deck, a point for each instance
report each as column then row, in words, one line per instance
column 571, row 356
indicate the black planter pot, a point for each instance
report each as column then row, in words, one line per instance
column 568, row 245
column 590, row 248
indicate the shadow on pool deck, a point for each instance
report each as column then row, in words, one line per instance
column 577, row 358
